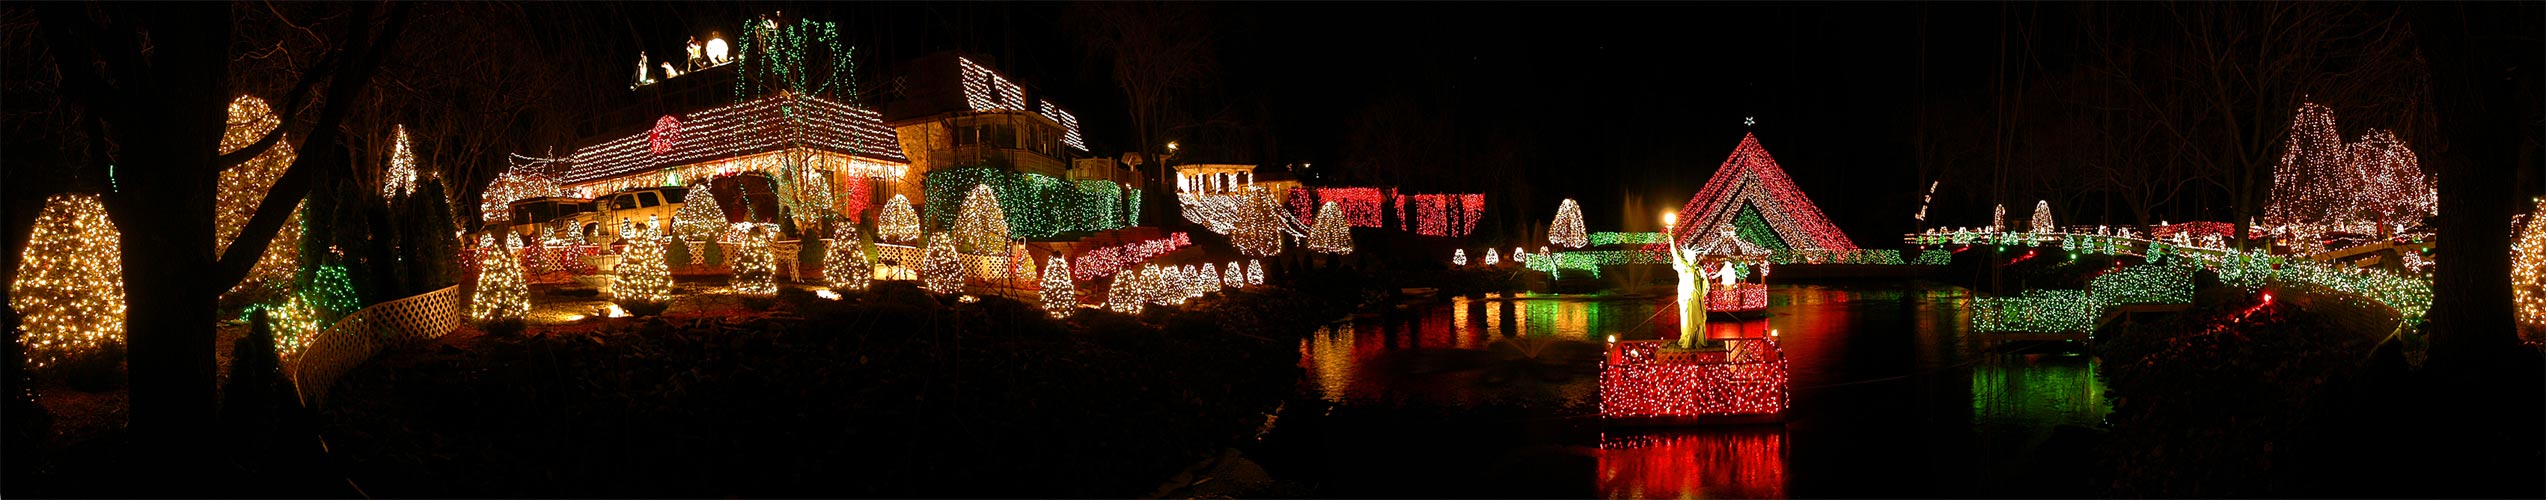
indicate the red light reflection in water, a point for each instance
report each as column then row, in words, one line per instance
column 1716, row 464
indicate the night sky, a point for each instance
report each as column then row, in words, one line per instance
column 1612, row 96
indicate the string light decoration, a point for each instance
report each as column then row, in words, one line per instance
column 1209, row 278
column 1567, row 230
column 1998, row 219
column 1748, row 377
column 1492, row 258
column 1254, row 272
column 501, row 294
column 1458, row 257
column 1060, row 297
column 1303, row 203
column 844, row 265
column 519, row 181
column 1471, row 209
column 1330, row 235
column 1153, row 284
column 2528, row 268
column 2041, row 222
column 1102, row 262
column 1616, row 238
column 986, row 90
column 1934, row 257
column 1750, row 180
column 981, row 228
column 643, row 276
column 700, row 218
column 1250, row 218
column 941, row 270
column 666, row 133
column 1033, row 205
column 70, row 282
column 243, row 186
column 1069, row 125
column 898, row 224
column 1124, row 296
column 2323, row 185
column 1360, row 205
column 853, row 139
column 399, row 179
column 1446, row 214
column 1232, row 276
column 755, row 264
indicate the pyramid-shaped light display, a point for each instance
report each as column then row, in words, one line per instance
column 1753, row 197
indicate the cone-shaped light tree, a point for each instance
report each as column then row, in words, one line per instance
column 1567, row 231
column 940, row 270
column 980, row 227
column 1330, row 234
column 70, row 283
column 1124, row 295
column 1059, row 296
column 898, row 224
column 643, row 275
column 699, row 219
column 2041, row 217
column 501, row 293
column 844, row 264
column 755, row 264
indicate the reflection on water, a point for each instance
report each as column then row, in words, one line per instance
column 1736, row 463
column 1891, row 396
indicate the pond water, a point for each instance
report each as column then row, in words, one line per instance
column 1498, row 398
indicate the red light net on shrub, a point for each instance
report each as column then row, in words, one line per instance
column 1747, row 378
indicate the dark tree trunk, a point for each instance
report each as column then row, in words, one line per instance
column 2477, row 73
column 162, row 203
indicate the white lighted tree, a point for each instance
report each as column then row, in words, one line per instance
column 898, row 224
column 844, row 264
column 643, row 276
column 70, row 283
column 2041, row 217
column 755, row 264
column 981, row 228
column 1331, row 234
column 1567, row 231
column 699, row 219
column 399, row 178
column 1124, row 296
column 501, row 294
column 1059, row 295
column 940, row 270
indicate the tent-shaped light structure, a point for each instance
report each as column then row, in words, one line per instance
column 1751, row 195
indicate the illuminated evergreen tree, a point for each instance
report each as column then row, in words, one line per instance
column 1124, row 295
column 1567, row 230
column 70, row 283
column 755, row 265
column 1210, row 278
column 1153, row 285
column 501, row 294
column 1059, row 296
column 898, row 224
column 844, row 266
column 1254, row 272
column 940, row 270
column 980, row 227
column 1232, row 276
column 643, row 276
column 400, row 178
column 1330, row 234
column 699, row 219
column 2041, row 217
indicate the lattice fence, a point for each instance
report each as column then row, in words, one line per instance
column 356, row 338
